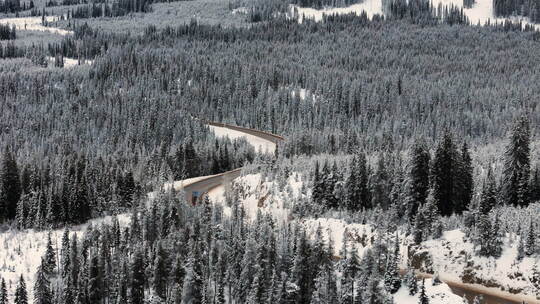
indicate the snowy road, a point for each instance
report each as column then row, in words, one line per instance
column 490, row 295
column 260, row 140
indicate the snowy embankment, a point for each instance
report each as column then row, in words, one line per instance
column 35, row 24
column 481, row 12
column 450, row 255
column 256, row 195
column 437, row 294
column 260, row 144
column 21, row 251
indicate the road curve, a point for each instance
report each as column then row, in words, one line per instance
column 490, row 295
column 469, row 291
column 194, row 191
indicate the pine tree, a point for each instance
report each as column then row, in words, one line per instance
column 95, row 286
column 10, row 186
column 515, row 184
column 530, row 242
column 42, row 291
column 423, row 297
column 193, row 282
column 160, row 272
column 3, row 292
column 137, row 278
column 74, row 260
column 418, row 183
column 301, row 271
column 443, row 174
column 488, row 198
column 410, row 281
column 21, row 295
column 392, row 280
column 535, row 184
column 68, row 292
column 50, row 257
column 465, row 181
column 65, row 254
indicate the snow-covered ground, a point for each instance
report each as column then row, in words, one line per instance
column 480, row 12
column 260, row 144
column 258, row 195
column 34, row 24
column 371, row 7
column 448, row 259
column 437, row 294
column 70, row 62
column 21, row 252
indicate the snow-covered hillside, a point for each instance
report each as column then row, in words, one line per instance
column 481, row 12
column 437, row 294
column 21, row 251
column 450, row 255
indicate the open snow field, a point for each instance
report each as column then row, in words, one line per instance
column 34, row 24
column 481, row 12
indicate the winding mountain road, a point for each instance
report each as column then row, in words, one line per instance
column 200, row 186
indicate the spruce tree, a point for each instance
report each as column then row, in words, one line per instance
column 411, row 282
column 488, row 198
column 465, row 181
column 3, row 292
column 42, row 289
column 160, row 272
column 50, row 257
column 443, row 174
column 10, row 186
column 423, row 299
column 192, row 292
column 530, row 241
column 418, row 182
column 95, row 276
column 392, row 280
column 21, row 295
column 515, row 183
column 137, row 278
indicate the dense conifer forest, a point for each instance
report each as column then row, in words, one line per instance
column 389, row 133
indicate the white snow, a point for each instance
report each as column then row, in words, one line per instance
column 258, row 195
column 21, row 251
column 241, row 10
column 371, row 7
column 34, row 24
column 437, row 294
column 70, row 62
column 361, row 235
column 480, row 12
column 260, row 144
column 448, row 254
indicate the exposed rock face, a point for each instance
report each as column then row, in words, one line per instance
column 421, row 260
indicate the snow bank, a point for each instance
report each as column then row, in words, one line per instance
column 34, row 24
column 258, row 195
column 260, row 144
column 362, row 236
column 438, row 294
column 448, row 257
